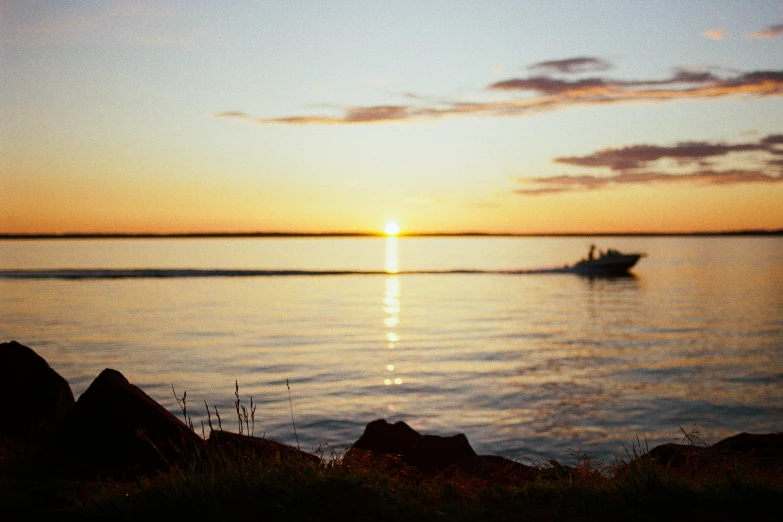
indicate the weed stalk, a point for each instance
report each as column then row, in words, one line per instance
column 252, row 417
column 182, row 403
column 209, row 417
column 291, row 405
column 236, row 405
column 217, row 414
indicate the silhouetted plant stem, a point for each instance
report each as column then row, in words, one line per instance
column 236, row 405
column 291, row 404
column 252, row 417
column 217, row 414
column 182, row 403
column 209, row 417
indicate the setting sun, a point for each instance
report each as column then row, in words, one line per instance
column 392, row 228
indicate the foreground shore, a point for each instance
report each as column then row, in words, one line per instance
column 116, row 454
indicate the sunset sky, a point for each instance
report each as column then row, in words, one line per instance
column 502, row 116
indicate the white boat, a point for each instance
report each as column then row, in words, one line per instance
column 610, row 262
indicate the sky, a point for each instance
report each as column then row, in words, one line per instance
column 298, row 116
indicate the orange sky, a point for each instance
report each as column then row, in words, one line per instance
column 137, row 117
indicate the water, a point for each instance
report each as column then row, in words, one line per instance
column 526, row 365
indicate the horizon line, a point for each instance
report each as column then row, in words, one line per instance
column 338, row 234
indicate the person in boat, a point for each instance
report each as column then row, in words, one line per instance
column 590, row 254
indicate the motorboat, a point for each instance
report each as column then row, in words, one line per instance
column 610, row 262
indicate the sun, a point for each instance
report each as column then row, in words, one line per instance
column 392, row 228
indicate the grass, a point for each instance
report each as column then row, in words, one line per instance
column 236, row 484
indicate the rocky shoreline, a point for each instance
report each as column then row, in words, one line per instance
column 116, row 431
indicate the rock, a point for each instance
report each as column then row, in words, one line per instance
column 496, row 467
column 116, row 430
column 36, row 398
column 677, row 455
column 763, row 452
column 264, row 448
column 428, row 453
column 433, row 453
column 388, row 439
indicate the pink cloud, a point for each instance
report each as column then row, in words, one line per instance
column 715, row 34
column 772, row 31
column 635, row 165
column 579, row 64
column 533, row 94
column 636, row 156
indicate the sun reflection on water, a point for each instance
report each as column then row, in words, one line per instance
column 392, row 260
column 391, row 307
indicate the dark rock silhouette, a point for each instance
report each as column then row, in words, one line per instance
column 494, row 466
column 390, row 439
column 433, row 453
column 762, row 452
column 676, row 455
column 37, row 397
column 227, row 441
column 117, row 430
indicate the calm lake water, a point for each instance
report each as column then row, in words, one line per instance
column 526, row 365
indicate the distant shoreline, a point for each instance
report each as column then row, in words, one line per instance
column 210, row 235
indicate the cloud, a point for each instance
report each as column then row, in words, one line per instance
column 233, row 114
column 548, row 85
column 559, row 184
column 377, row 113
column 637, row 156
column 715, row 34
column 579, row 64
column 371, row 114
column 684, row 83
column 772, row 31
column 522, row 96
column 637, row 165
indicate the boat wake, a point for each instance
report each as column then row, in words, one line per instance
column 168, row 273
column 609, row 263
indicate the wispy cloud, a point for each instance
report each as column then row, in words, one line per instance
column 369, row 114
column 581, row 183
column 637, row 156
column 580, row 64
column 715, row 34
column 684, row 83
column 522, row 96
column 234, row 114
column 640, row 165
column 773, row 31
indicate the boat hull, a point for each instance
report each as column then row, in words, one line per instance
column 618, row 264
